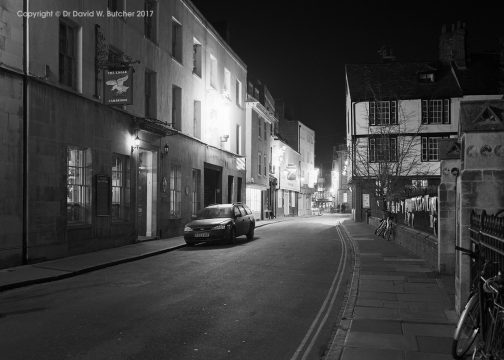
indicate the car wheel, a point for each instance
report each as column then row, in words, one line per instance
column 250, row 234
column 232, row 236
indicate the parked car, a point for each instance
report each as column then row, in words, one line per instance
column 220, row 222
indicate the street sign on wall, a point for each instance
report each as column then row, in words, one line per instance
column 118, row 86
column 365, row 201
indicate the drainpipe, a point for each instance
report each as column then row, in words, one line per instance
column 25, row 134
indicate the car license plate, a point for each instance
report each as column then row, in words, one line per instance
column 203, row 234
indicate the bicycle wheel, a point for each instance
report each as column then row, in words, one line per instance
column 467, row 328
column 380, row 229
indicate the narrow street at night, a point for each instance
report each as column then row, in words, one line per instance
column 275, row 297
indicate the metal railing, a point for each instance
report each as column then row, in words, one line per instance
column 487, row 237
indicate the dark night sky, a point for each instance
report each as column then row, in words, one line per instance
column 299, row 48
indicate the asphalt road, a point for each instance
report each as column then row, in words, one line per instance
column 275, row 297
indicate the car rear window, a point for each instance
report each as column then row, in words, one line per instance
column 247, row 209
column 242, row 210
column 216, row 212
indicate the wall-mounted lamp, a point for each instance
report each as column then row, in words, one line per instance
column 136, row 144
column 224, row 138
column 166, row 149
column 455, row 171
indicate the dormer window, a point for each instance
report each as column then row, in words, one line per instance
column 426, row 77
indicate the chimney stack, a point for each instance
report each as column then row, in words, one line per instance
column 452, row 45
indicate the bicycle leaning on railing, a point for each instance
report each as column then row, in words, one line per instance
column 385, row 228
column 480, row 328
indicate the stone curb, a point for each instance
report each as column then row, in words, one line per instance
column 86, row 270
column 349, row 300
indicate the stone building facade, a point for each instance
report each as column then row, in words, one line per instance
column 95, row 176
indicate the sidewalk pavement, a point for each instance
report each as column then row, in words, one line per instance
column 58, row 269
column 397, row 307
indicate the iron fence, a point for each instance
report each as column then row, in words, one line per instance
column 487, row 238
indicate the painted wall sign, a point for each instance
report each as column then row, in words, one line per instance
column 118, row 86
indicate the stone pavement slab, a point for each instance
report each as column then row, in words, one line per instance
column 371, row 354
column 402, row 308
column 381, row 341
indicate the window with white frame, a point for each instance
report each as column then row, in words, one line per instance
column 382, row 112
column 213, row 71
column 265, row 164
column 259, row 157
column 120, row 187
column 227, row 83
column 382, row 149
column 197, row 56
column 430, row 147
column 259, row 127
column 436, row 111
column 239, row 100
column 177, row 40
column 78, row 185
column 175, row 191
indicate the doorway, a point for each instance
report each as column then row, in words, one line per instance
column 146, row 194
column 212, row 185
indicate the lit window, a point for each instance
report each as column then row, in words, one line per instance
column 436, row 111
column 78, row 185
column 120, row 187
column 175, row 191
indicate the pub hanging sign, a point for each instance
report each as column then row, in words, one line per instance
column 118, row 86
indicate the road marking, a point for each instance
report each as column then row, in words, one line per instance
column 327, row 305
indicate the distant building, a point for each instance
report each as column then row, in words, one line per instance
column 339, row 179
column 129, row 126
column 421, row 101
column 261, row 129
column 302, row 139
